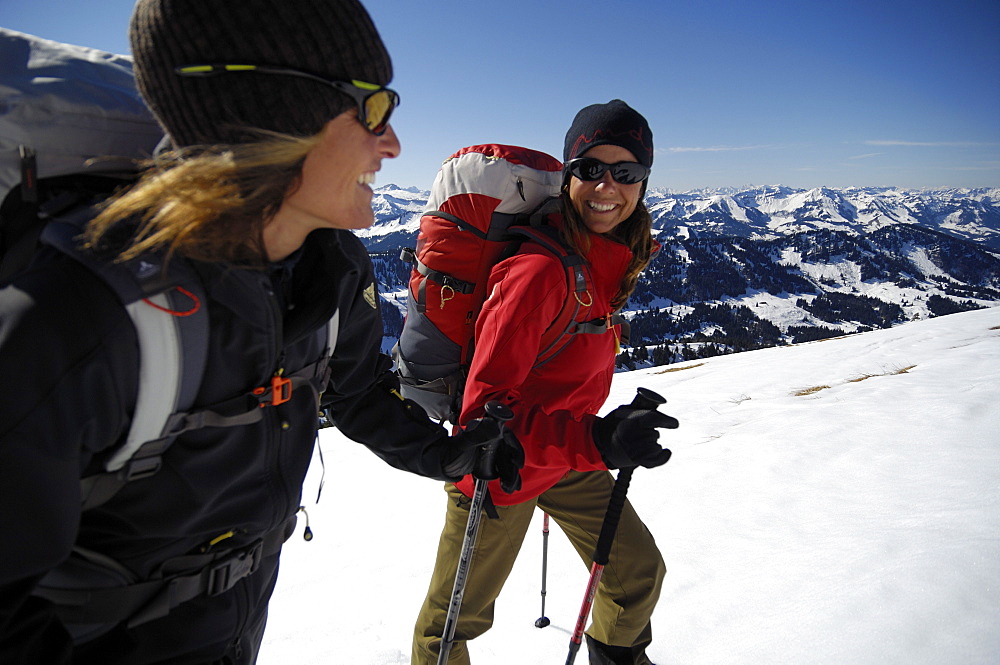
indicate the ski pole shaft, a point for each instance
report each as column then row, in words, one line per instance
column 462, row 574
column 644, row 399
column 543, row 620
column 501, row 414
column 601, row 555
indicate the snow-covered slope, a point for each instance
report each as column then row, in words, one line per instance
column 832, row 502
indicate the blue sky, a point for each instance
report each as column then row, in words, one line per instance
column 737, row 92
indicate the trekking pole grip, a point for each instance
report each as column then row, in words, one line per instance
column 647, row 399
column 644, row 399
column 486, row 458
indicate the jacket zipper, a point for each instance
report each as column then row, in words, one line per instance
column 275, row 431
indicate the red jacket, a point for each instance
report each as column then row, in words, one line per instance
column 554, row 405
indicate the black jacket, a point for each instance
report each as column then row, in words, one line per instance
column 68, row 376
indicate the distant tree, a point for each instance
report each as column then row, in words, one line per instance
column 392, row 321
column 799, row 334
column 940, row 306
column 835, row 307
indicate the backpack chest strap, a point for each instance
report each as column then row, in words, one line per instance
column 145, row 455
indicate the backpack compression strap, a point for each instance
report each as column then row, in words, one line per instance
column 20, row 231
column 498, row 231
column 409, row 255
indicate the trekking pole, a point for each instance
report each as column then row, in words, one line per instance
column 644, row 399
column 543, row 621
column 482, row 473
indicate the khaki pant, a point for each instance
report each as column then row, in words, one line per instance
column 626, row 596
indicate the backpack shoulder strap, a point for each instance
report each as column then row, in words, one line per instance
column 168, row 308
column 578, row 283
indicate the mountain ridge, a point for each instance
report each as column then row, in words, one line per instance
column 746, row 268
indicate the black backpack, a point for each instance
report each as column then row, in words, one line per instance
column 72, row 128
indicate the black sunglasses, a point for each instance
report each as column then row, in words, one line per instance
column 375, row 102
column 589, row 169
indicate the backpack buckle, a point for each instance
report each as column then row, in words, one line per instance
column 223, row 576
column 281, row 392
column 143, row 467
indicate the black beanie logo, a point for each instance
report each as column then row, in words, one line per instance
column 629, row 139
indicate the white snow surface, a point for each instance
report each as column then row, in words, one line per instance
column 857, row 524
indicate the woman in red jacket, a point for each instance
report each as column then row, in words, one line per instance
column 568, row 448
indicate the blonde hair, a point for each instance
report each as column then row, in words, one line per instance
column 209, row 203
column 635, row 233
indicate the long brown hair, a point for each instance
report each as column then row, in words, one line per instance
column 209, row 203
column 635, row 233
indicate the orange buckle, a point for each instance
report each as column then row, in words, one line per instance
column 281, row 391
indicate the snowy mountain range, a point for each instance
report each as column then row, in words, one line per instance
column 758, row 212
column 972, row 214
column 749, row 268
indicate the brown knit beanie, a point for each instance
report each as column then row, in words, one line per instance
column 332, row 39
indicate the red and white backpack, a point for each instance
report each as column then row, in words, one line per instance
column 485, row 201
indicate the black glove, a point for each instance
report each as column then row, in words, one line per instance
column 627, row 437
column 469, row 454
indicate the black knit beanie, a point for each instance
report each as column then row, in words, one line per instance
column 332, row 39
column 614, row 123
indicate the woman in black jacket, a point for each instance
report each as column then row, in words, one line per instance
column 278, row 116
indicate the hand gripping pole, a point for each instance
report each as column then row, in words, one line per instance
column 644, row 399
column 483, row 473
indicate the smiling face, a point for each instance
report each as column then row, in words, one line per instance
column 604, row 204
column 334, row 190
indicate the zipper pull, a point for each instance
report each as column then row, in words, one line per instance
column 307, row 535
